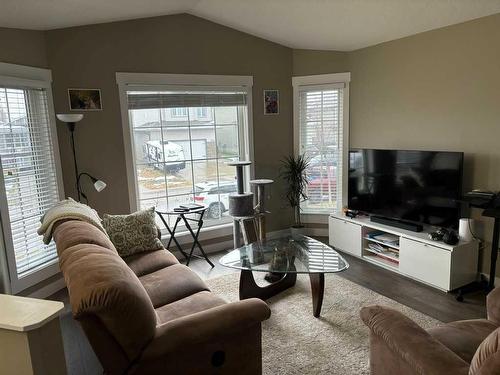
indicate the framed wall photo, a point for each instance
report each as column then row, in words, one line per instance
column 271, row 102
column 85, row 99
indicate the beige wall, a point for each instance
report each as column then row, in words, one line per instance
column 90, row 56
column 23, row 47
column 438, row 90
column 435, row 90
column 309, row 62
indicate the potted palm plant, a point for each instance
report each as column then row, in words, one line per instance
column 294, row 173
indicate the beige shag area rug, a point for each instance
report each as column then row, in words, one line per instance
column 294, row 342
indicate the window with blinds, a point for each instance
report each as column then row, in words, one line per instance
column 182, row 142
column 29, row 178
column 320, row 116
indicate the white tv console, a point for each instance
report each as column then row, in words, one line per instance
column 435, row 263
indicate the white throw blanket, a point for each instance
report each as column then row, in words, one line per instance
column 67, row 209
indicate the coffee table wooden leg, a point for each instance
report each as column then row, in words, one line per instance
column 317, row 290
column 250, row 289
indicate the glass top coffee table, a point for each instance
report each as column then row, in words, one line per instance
column 286, row 257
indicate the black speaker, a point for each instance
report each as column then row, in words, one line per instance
column 450, row 238
column 397, row 223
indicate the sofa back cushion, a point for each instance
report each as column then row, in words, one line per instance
column 102, row 286
column 73, row 232
column 493, row 305
column 486, row 361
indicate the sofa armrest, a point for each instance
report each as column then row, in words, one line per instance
column 411, row 343
column 493, row 305
column 207, row 325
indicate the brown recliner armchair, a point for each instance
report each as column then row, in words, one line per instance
column 148, row 314
column 399, row 346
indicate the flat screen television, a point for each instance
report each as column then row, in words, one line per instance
column 415, row 186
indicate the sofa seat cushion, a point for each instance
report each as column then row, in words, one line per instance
column 463, row 337
column 192, row 304
column 171, row 284
column 150, row 261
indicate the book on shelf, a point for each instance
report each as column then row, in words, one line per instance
column 387, row 238
column 373, row 234
column 385, row 259
column 389, row 259
column 376, row 247
column 379, row 249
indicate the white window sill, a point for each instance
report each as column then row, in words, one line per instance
column 184, row 237
column 315, row 217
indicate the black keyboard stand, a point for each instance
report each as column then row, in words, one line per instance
column 494, row 213
column 491, row 209
column 181, row 216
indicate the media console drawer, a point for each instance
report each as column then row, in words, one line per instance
column 345, row 236
column 425, row 262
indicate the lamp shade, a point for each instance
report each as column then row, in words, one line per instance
column 99, row 185
column 69, row 117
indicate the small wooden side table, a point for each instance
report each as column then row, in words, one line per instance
column 30, row 336
column 198, row 219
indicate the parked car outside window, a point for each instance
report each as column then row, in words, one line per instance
column 214, row 196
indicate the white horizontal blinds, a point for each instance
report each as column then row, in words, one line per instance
column 184, row 99
column 183, row 139
column 29, row 173
column 321, row 127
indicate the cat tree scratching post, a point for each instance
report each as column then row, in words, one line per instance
column 241, row 203
column 260, row 209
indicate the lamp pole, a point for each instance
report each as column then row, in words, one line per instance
column 71, row 127
column 71, row 119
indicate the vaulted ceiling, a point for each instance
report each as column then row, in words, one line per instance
column 341, row 25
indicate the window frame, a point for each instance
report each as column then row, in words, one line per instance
column 20, row 76
column 326, row 80
column 161, row 81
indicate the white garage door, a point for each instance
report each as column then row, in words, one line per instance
column 199, row 148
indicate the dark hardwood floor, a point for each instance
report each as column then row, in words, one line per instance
column 442, row 306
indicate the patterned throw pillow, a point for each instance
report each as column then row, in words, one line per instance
column 133, row 233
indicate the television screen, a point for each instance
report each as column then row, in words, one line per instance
column 416, row 186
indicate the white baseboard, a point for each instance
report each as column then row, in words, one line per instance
column 49, row 289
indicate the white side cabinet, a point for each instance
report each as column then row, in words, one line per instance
column 345, row 236
column 446, row 267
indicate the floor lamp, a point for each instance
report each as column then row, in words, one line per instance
column 71, row 119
